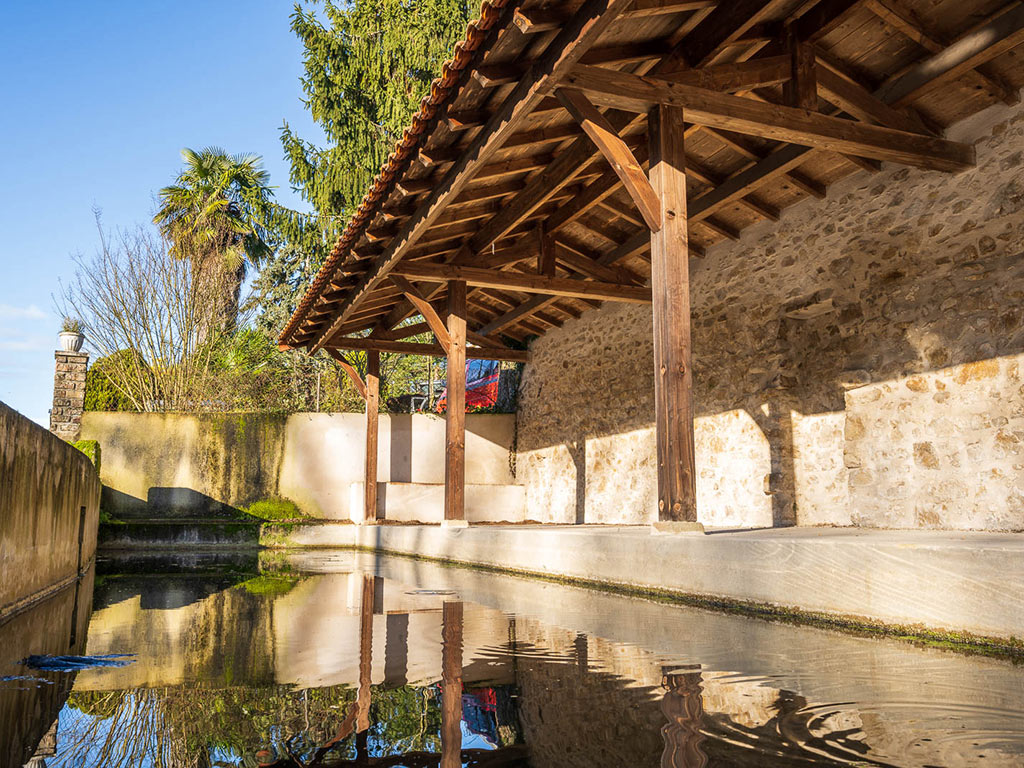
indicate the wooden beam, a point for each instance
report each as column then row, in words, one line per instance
column 985, row 43
column 801, row 90
column 455, row 416
column 861, row 103
column 673, row 382
column 526, row 283
column 545, row 254
column 615, row 151
column 405, row 331
column 645, row 8
column 349, row 369
column 427, row 350
column 824, row 17
column 908, row 23
column 425, row 308
column 729, row 21
column 514, row 315
column 538, row 20
column 622, row 90
column 372, row 428
column 561, row 54
column 738, row 76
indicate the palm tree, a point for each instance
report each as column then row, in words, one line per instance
column 213, row 215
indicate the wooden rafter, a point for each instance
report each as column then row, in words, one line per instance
column 615, row 151
column 350, row 370
column 621, row 90
column 526, row 283
column 985, row 43
column 364, row 343
column 574, row 38
column 425, row 308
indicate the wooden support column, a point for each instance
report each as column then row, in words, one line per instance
column 372, row 413
column 451, row 685
column 670, row 285
column 455, row 421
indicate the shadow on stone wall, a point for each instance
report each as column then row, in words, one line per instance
column 893, row 303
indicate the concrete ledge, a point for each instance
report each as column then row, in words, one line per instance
column 943, row 581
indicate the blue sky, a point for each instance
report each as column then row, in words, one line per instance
column 98, row 100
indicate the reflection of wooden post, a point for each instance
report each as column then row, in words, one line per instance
column 451, row 686
column 455, row 422
column 365, row 654
column 684, row 711
column 372, row 420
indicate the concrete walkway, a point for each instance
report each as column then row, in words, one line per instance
column 938, row 580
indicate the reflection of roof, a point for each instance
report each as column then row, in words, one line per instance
column 493, row 155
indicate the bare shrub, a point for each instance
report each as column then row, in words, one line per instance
column 151, row 315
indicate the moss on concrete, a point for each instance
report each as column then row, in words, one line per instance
column 91, row 448
column 274, row 510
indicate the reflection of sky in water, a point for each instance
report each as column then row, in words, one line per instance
column 552, row 676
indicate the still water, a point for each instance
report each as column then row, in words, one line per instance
column 343, row 659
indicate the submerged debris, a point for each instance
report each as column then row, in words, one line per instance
column 75, row 663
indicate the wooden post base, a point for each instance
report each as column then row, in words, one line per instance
column 668, row 527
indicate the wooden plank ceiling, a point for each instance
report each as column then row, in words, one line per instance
column 524, row 173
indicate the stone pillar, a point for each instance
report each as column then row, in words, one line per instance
column 68, row 394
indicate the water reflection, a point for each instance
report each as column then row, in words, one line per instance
column 336, row 659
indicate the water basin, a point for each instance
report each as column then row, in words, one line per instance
column 332, row 658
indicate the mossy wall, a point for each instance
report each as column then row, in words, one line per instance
column 184, row 465
column 210, row 465
column 49, row 502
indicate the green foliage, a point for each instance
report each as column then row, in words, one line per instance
column 91, row 448
column 215, row 215
column 71, row 325
column 101, row 391
column 368, row 63
column 217, row 207
column 279, row 287
column 274, row 510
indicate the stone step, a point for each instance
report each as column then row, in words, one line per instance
column 190, row 534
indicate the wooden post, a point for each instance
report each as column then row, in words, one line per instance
column 455, row 423
column 372, row 412
column 451, row 682
column 670, row 286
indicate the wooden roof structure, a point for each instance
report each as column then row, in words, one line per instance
column 499, row 155
column 527, row 177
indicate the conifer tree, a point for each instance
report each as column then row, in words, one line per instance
column 368, row 63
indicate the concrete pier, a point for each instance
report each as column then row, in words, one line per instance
column 944, row 581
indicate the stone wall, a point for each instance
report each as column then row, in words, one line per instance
column 68, row 393
column 49, row 512
column 185, row 465
column 856, row 363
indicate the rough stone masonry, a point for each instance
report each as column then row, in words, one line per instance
column 68, row 394
column 857, row 363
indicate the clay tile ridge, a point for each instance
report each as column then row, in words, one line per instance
column 441, row 91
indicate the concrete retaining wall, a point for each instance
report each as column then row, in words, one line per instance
column 49, row 512
column 939, row 580
column 856, row 363
column 184, row 465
